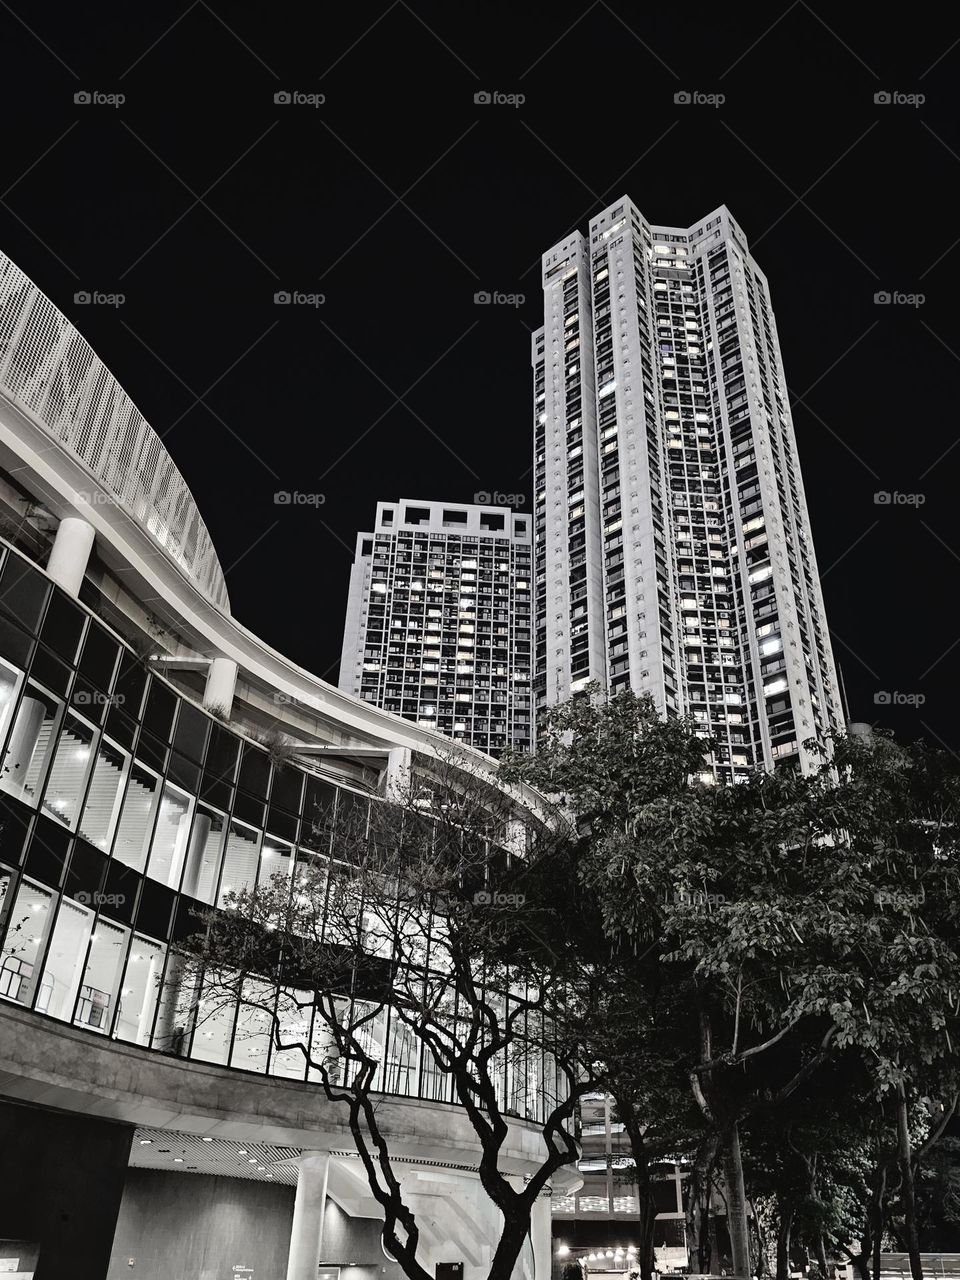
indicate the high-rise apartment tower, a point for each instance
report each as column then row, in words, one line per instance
column 438, row 620
column 672, row 545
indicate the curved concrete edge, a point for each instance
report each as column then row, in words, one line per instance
column 51, row 1064
column 68, row 488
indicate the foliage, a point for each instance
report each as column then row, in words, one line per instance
column 798, row 918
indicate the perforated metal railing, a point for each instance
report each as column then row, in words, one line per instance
column 46, row 366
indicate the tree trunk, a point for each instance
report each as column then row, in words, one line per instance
column 715, row 1259
column 646, row 1225
column 646, row 1205
column 508, row 1250
column 877, row 1251
column 694, row 1221
column 907, row 1191
column 821, row 1255
column 875, row 1220
column 783, row 1244
column 737, row 1202
column 707, row 1244
column 696, row 1205
column 761, row 1269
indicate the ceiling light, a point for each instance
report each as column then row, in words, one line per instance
column 146, row 1142
column 206, row 1139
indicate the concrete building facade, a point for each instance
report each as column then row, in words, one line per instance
column 154, row 755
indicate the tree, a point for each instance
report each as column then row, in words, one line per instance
column 892, row 985
column 623, row 1013
column 802, row 916
column 411, row 933
column 809, row 1169
column 635, row 1033
column 634, row 1027
column 709, row 880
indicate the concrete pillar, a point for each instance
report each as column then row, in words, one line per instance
column 540, row 1236
column 399, row 774
column 23, row 740
column 70, row 554
column 198, row 843
column 515, row 838
column 221, row 685
column 178, row 855
column 177, row 1008
column 306, row 1233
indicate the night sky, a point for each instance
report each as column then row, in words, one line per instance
column 400, row 197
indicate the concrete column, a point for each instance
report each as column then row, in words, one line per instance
column 306, row 1233
column 221, row 685
column 540, row 1236
column 399, row 774
column 70, row 554
column 515, row 838
column 23, row 740
column 178, row 855
column 177, row 1008
column 198, row 843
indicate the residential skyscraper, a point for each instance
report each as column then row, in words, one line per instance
column 438, row 620
column 673, row 552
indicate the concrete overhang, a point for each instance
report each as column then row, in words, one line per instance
column 45, row 1062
